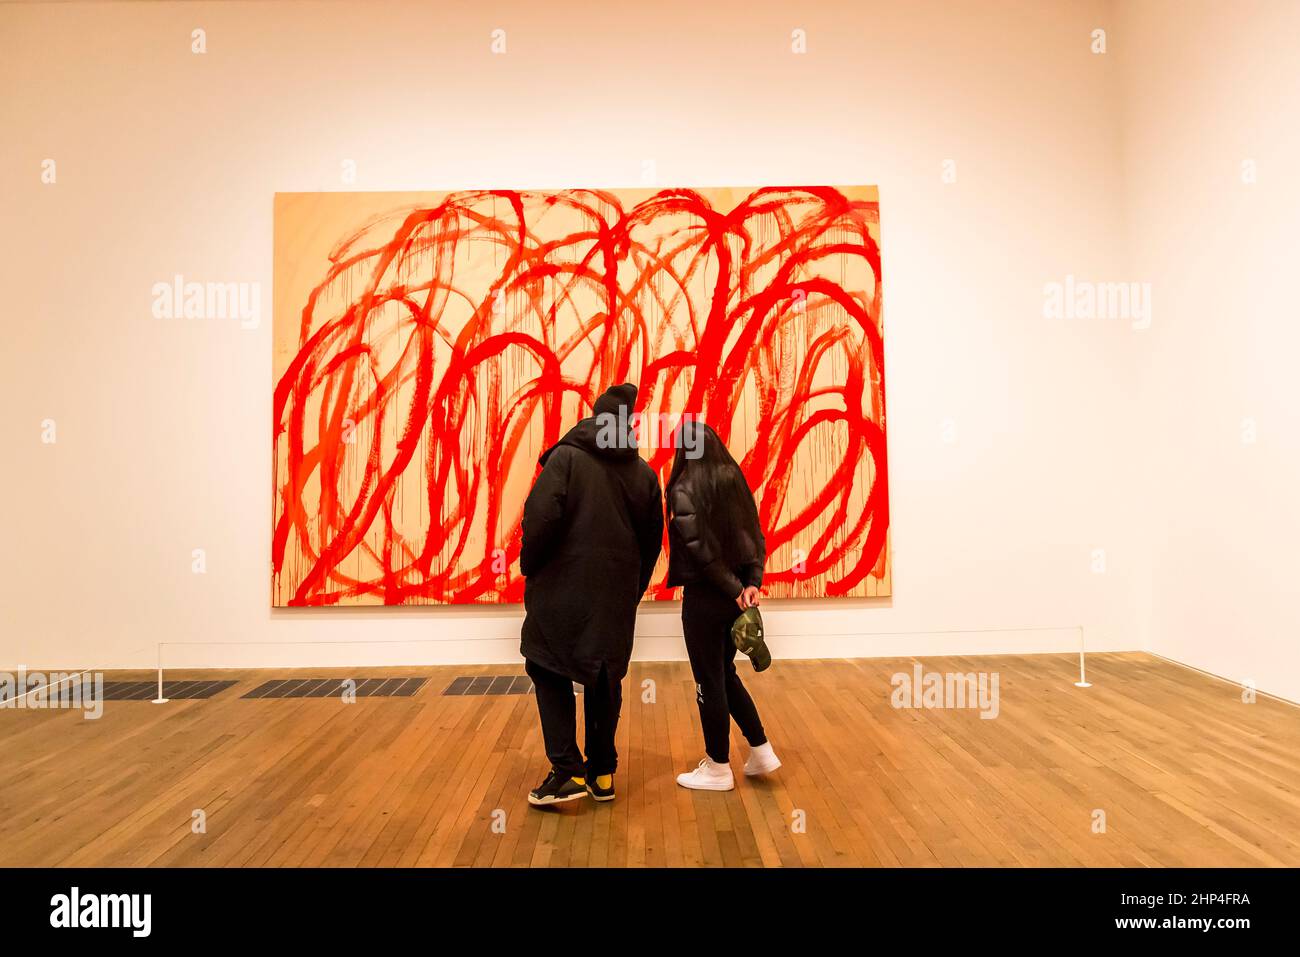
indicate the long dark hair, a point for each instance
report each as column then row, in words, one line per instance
column 722, row 498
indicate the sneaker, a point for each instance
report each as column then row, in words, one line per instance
column 709, row 776
column 557, row 789
column 601, row 787
column 762, row 760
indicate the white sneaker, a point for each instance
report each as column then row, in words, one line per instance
column 709, row 776
column 762, row 760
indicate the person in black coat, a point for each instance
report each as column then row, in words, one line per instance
column 592, row 531
column 717, row 551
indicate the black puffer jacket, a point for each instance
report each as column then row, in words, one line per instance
column 592, row 531
column 729, row 558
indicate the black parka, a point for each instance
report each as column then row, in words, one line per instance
column 731, row 559
column 592, row 531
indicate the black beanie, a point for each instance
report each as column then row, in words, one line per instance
column 615, row 398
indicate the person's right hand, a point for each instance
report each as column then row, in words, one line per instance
column 748, row 598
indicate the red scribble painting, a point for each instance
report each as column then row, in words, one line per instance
column 430, row 346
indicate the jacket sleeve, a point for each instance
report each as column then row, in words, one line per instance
column 753, row 571
column 544, row 512
column 650, row 531
column 694, row 539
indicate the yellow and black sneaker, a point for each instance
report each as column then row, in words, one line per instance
column 601, row 787
column 557, row 789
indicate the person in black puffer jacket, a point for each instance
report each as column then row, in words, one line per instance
column 592, row 532
column 716, row 550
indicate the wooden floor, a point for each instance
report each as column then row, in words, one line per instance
column 1185, row 773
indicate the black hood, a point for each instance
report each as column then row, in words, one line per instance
column 598, row 433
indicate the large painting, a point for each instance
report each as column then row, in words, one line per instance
column 430, row 346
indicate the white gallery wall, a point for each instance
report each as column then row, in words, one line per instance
column 1211, row 131
column 1029, row 495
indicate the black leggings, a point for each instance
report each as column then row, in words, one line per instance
column 558, row 710
column 707, row 614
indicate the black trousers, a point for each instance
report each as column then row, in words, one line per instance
column 707, row 614
column 558, row 709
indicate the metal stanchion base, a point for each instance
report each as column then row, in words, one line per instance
column 1083, row 684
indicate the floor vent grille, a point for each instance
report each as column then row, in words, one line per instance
column 335, row 687
column 173, row 690
column 489, row 684
column 137, row 690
